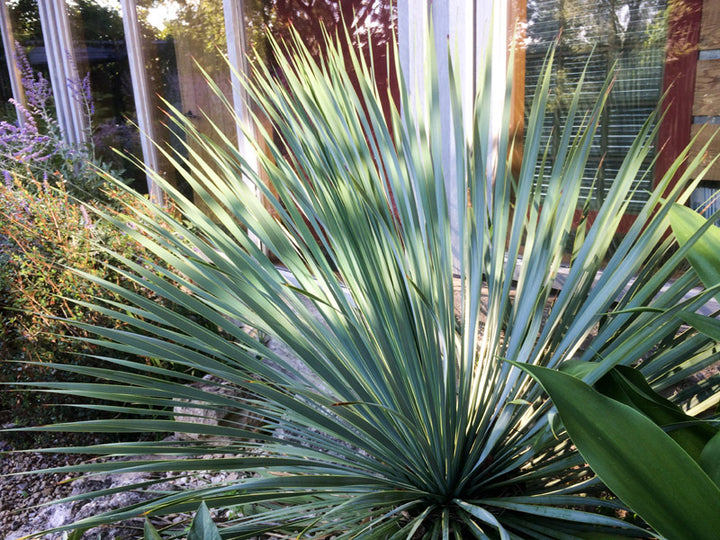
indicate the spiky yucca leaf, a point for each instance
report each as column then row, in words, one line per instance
column 397, row 414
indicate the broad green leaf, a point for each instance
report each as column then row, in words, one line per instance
column 628, row 386
column 639, row 462
column 704, row 254
column 578, row 368
column 710, row 459
column 203, row 527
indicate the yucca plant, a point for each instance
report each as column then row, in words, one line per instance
column 401, row 412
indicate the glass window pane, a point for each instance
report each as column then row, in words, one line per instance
column 35, row 142
column 7, row 111
column 628, row 36
column 180, row 36
column 372, row 21
column 27, row 34
column 103, row 68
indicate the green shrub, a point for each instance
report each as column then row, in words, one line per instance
column 43, row 233
column 401, row 412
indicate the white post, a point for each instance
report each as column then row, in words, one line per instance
column 60, row 55
column 454, row 38
column 11, row 59
column 141, row 94
column 413, row 44
column 236, row 47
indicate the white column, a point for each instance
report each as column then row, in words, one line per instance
column 461, row 31
column 237, row 56
column 11, row 59
column 60, row 55
column 454, row 36
column 492, row 16
column 413, row 42
column 141, row 94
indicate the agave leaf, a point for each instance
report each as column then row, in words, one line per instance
column 639, row 462
column 705, row 325
column 150, row 532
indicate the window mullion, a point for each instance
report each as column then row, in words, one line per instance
column 237, row 57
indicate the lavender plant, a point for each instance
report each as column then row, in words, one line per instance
column 24, row 143
column 34, row 147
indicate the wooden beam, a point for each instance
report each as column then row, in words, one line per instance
column 704, row 133
column 706, row 98
column 710, row 28
column 679, row 82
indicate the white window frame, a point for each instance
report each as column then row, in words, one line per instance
column 141, row 95
column 237, row 57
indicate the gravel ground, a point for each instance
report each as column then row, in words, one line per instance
column 21, row 495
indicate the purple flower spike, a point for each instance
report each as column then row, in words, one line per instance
column 35, row 148
column 81, row 92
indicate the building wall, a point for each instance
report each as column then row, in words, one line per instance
column 706, row 99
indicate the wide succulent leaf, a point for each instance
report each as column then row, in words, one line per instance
column 635, row 458
column 627, row 385
column 710, row 459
